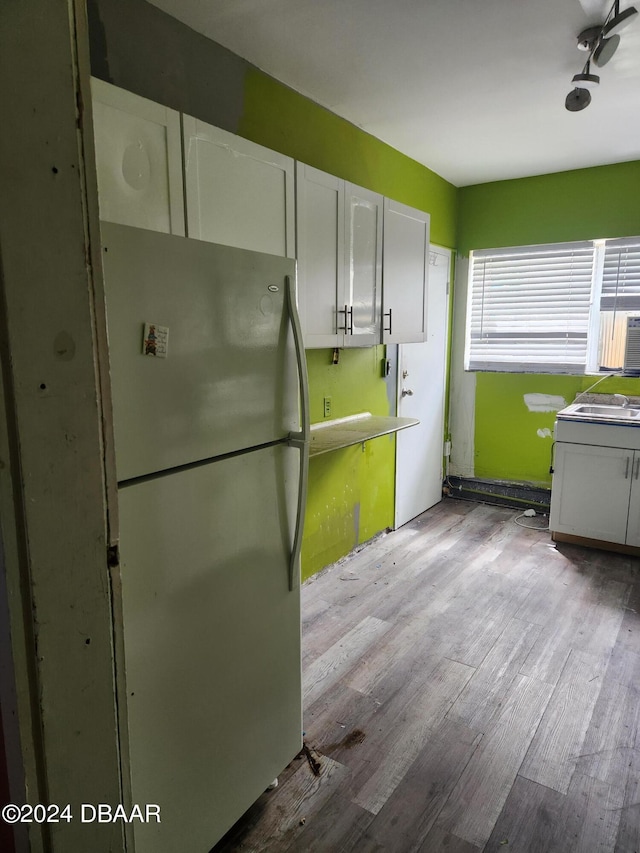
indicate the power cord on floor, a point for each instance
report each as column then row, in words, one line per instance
column 529, row 513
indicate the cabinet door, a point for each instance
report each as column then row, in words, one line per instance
column 320, row 252
column 591, row 489
column 238, row 193
column 633, row 526
column 405, row 268
column 138, row 160
column 363, row 251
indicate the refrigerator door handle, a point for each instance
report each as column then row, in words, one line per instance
column 299, row 440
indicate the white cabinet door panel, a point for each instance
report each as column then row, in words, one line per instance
column 591, row 487
column 363, row 247
column 138, row 159
column 633, row 525
column 404, row 273
column 238, row 193
column 320, row 252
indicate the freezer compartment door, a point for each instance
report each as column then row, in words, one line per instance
column 201, row 349
column 212, row 643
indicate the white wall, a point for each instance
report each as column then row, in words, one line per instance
column 462, row 400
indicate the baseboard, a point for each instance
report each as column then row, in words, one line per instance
column 596, row 543
column 516, row 495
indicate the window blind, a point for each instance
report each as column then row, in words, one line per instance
column 621, row 276
column 529, row 308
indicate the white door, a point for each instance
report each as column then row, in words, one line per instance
column 421, row 390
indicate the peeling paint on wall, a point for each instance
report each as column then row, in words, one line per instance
column 545, row 433
column 544, row 402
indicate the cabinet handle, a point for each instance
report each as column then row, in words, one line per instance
column 635, row 476
column 348, row 326
column 626, row 470
column 387, row 314
column 345, row 312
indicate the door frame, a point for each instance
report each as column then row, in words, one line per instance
column 57, row 680
column 433, row 247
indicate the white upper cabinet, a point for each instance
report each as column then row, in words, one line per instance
column 363, row 274
column 363, row 264
column 339, row 249
column 238, row 193
column 138, row 160
column 320, row 251
column 404, row 274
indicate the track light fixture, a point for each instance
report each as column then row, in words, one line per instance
column 617, row 20
column 586, row 80
column 577, row 100
column 601, row 42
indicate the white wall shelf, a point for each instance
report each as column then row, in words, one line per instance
column 354, row 429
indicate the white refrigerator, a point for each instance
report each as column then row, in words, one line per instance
column 211, row 431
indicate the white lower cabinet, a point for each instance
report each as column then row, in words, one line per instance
column 596, row 493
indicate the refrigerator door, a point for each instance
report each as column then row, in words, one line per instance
column 201, row 349
column 212, row 642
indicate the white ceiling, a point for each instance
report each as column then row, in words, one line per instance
column 473, row 90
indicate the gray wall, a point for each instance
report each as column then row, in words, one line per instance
column 138, row 47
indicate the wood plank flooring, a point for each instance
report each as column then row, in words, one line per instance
column 469, row 686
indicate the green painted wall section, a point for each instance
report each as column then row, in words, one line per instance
column 576, row 205
column 582, row 204
column 351, row 491
column 286, row 121
column 511, row 442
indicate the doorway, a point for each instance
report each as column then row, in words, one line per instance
column 421, row 395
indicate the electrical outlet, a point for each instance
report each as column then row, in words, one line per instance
column 327, row 407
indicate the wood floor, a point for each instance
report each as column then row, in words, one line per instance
column 468, row 685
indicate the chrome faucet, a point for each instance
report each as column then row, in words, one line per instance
column 625, row 400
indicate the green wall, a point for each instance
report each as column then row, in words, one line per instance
column 351, row 491
column 577, row 205
column 280, row 118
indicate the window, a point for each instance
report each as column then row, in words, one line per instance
column 557, row 308
column 619, row 298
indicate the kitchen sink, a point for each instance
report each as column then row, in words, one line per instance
column 599, row 425
column 615, row 412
